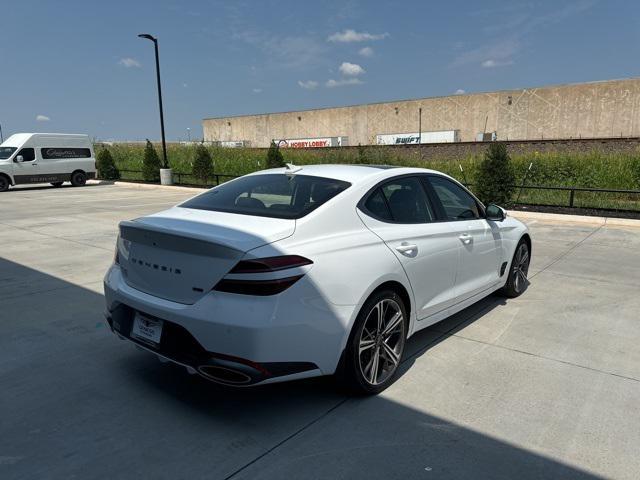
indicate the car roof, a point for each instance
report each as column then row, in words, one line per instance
column 349, row 173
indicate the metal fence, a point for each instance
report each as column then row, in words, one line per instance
column 576, row 197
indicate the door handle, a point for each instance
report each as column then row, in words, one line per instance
column 466, row 238
column 406, row 248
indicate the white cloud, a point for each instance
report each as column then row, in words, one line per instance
column 460, row 91
column 129, row 62
column 257, row 90
column 496, row 63
column 42, row 118
column 308, row 84
column 351, row 35
column 366, row 52
column 351, row 69
column 331, row 83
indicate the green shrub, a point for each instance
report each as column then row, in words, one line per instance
column 202, row 164
column 495, row 178
column 107, row 169
column 362, row 155
column 635, row 171
column 274, row 157
column 150, row 164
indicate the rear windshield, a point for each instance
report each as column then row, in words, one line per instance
column 269, row 195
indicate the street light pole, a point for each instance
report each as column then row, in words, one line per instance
column 165, row 163
column 1, row 136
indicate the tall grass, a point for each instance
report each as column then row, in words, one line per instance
column 593, row 169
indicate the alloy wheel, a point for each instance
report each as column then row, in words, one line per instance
column 520, row 268
column 381, row 342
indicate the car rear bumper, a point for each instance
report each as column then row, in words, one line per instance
column 258, row 339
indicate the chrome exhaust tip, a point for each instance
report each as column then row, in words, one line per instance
column 224, row 375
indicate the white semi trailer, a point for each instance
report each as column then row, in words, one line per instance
column 443, row 136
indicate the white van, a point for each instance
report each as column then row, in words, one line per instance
column 52, row 158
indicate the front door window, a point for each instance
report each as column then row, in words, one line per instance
column 28, row 154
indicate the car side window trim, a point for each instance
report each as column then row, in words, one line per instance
column 378, row 188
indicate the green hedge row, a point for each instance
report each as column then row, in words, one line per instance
column 595, row 169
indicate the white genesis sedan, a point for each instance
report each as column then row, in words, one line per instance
column 306, row 271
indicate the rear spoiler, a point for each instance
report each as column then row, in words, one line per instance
column 178, row 241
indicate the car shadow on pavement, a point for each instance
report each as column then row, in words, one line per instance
column 424, row 340
column 78, row 402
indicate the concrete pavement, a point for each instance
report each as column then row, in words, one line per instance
column 543, row 386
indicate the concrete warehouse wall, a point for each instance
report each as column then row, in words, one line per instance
column 463, row 150
column 597, row 109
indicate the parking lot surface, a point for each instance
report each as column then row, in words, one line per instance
column 543, row 386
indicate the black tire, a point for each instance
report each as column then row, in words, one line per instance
column 5, row 183
column 78, row 179
column 57, row 184
column 517, row 281
column 354, row 372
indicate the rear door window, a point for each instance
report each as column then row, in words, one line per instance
column 269, row 195
column 402, row 200
column 376, row 205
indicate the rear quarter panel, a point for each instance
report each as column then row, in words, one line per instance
column 350, row 261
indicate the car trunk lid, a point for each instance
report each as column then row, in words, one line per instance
column 181, row 254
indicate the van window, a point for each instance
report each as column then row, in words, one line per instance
column 6, row 152
column 28, row 154
column 51, row 152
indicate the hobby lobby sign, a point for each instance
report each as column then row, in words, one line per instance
column 321, row 142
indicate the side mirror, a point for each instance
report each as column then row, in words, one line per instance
column 19, row 159
column 495, row 213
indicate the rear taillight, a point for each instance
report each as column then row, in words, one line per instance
column 270, row 264
column 259, row 286
column 256, row 287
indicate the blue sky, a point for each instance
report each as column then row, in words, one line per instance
column 77, row 66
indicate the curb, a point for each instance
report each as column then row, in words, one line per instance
column 582, row 219
column 154, row 186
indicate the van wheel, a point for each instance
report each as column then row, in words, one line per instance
column 4, row 183
column 57, row 184
column 375, row 347
column 78, row 179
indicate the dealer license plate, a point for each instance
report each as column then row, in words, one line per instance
column 147, row 329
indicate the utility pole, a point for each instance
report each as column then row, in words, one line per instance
column 420, row 125
column 164, row 144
